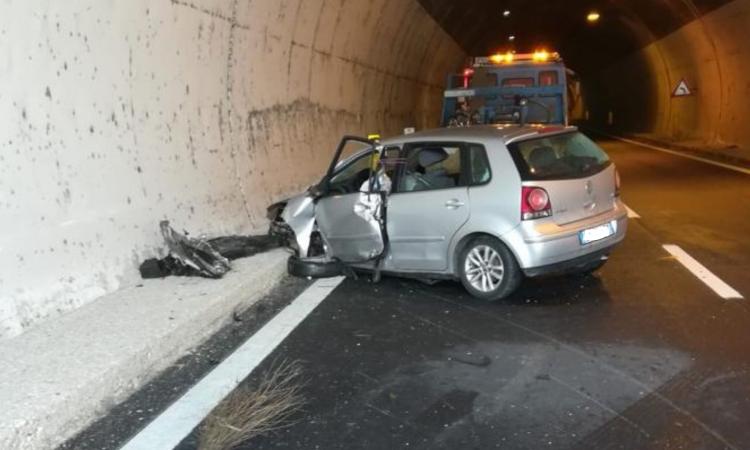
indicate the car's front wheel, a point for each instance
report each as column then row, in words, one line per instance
column 488, row 269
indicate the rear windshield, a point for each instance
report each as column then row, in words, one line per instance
column 563, row 156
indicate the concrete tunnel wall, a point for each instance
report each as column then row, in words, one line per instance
column 712, row 55
column 116, row 115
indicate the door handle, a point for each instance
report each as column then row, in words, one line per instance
column 454, row 203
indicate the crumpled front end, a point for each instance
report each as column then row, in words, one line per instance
column 292, row 222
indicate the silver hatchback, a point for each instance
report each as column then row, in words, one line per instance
column 485, row 205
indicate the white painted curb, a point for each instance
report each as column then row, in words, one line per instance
column 58, row 378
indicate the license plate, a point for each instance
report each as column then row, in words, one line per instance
column 597, row 233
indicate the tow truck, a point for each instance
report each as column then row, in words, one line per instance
column 509, row 88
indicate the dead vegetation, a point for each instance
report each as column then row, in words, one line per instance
column 252, row 411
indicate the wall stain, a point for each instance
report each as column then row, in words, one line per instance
column 196, row 111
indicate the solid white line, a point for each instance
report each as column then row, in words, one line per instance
column 632, row 214
column 171, row 426
column 721, row 288
column 678, row 153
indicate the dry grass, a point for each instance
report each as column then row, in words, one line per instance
column 249, row 412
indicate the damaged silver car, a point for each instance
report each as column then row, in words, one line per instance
column 484, row 205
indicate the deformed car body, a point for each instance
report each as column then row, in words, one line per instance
column 485, row 205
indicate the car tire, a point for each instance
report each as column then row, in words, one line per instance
column 314, row 267
column 479, row 280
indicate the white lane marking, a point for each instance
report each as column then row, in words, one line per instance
column 171, row 426
column 706, row 276
column 677, row 153
column 632, row 214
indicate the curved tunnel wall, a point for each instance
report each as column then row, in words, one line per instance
column 117, row 115
column 712, row 55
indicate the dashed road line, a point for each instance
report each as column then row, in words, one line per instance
column 174, row 424
column 706, row 276
column 678, row 153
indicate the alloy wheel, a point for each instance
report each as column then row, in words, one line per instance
column 484, row 268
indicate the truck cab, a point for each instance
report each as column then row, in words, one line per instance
column 508, row 88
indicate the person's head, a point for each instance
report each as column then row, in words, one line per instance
column 462, row 104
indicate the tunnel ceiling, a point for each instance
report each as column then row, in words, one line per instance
column 625, row 25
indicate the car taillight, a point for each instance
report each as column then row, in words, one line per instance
column 535, row 203
column 617, row 183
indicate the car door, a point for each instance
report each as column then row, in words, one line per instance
column 350, row 229
column 429, row 204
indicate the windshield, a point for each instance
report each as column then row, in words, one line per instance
column 562, row 156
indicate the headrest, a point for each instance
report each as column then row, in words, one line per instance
column 542, row 157
column 432, row 155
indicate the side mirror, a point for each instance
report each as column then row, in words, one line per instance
column 317, row 190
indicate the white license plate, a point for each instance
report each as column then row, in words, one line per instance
column 597, row 233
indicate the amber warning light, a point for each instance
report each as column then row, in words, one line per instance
column 539, row 56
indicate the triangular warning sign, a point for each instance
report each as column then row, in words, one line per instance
column 682, row 89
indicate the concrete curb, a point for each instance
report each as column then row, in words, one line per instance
column 61, row 376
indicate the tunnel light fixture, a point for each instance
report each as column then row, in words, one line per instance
column 593, row 17
column 506, row 13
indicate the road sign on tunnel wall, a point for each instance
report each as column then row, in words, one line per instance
column 682, row 89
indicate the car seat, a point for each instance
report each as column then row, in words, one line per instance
column 435, row 174
column 542, row 159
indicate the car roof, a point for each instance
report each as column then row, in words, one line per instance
column 507, row 133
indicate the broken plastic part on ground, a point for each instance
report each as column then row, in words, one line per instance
column 194, row 253
column 208, row 258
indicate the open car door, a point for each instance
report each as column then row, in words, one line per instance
column 350, row 209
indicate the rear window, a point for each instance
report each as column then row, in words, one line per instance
column 563, row 156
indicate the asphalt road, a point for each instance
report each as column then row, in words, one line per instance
column 641, row 355
column 703, row 208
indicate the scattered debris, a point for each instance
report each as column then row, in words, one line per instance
column 235, row 247
column 248, row 413
column 471, row 359
column 160, row 268
column 209, row 258
column 196, row 254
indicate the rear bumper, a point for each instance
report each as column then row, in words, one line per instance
column 539, row 245
column 570, row 265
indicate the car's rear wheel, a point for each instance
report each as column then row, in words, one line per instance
column 488, row 269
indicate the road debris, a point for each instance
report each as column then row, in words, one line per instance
column 249, row 412
column 203, row 257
